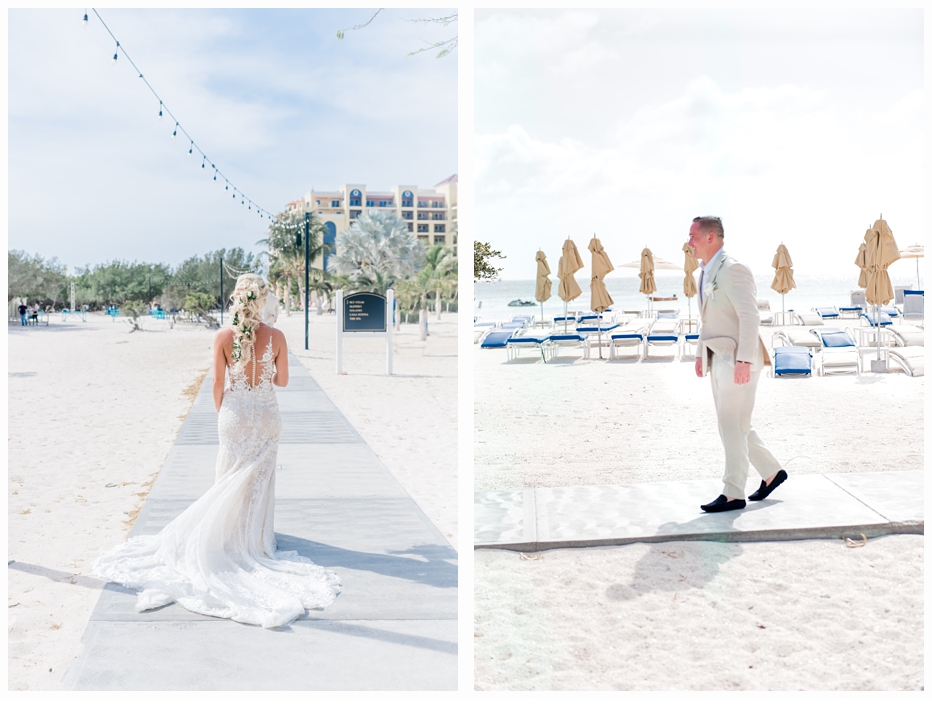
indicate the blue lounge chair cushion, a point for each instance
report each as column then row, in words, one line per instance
column 628, row 335
column 833, row 340
column 692, row 337
column 598, row 328
column 529, row 339
column 884, row 319
column 496, row 339
column 662, row 337
column 666, row 315
column 568, row 337
column 826, row 312
column 914, row 292
column 792, row 360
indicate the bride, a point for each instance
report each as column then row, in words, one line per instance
column 219, row 556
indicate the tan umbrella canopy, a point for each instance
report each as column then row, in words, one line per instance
column 881, row 252
column 689, row 280
column 601, row 266
column 543, row 282
column 543, row 290
column 783, row 280
column 689, row 267
column 659, row 264
column 915, row 251
column 648, row 286
column 570, row 262
column 861, row 260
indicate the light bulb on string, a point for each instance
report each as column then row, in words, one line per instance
column 203, row 162
column 191, row 149
column 160, row 110
column 215, row 175
column 175, row 131
column 84, row 22
column 114, row 60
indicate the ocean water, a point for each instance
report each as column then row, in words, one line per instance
column 491, row 299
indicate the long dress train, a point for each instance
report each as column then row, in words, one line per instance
column 219, row 556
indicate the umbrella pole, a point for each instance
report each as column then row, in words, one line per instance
column 542, row 312
column 782, row 309
column 564, row 316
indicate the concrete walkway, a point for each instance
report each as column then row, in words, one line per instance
column 394, row 625
column 805, row 506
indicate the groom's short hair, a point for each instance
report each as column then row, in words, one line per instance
column 711, row 223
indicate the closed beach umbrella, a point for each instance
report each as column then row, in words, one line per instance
column 689, row 281
column 648, row 286
column 783, row 280
column 915, row 251
column 861, row 260
column 601, row 266
column 881, row 251
column 542, row 292
column 570, row 262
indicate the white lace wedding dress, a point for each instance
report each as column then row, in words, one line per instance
column 219, row 556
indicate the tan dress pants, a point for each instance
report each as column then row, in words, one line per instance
column 734, row 404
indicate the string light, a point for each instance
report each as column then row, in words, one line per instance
column 163, row 109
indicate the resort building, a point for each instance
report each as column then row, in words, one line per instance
column 430, row 213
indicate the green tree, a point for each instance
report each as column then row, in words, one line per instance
column 201, row 274
column 376, row 252
column 285, row 252
column 440, row 266
column 483, row 253
column 120, row 281
column 34, row 278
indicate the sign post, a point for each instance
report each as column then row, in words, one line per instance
column 364, row 315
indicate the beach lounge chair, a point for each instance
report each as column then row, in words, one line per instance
column 662, row 333
column 840, row 351
column 909, row 359
column 808, row 319
column 594, row 331
column 571, row 339
column 791, row 361
column 796, row 337
column 852, row 311
column 827, row 313
column 903, row 336
column 884, row 318
column 913, row 307
column 629, row 336
column 858, row 298
column 516, row 343
column 496, row 339
column 763, row 309
column 687, row 340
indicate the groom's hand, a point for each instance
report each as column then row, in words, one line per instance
column 742, row 372
column 699, row 366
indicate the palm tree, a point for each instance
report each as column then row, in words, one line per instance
column 377, row 251
column 441, row 264
column 285, row 250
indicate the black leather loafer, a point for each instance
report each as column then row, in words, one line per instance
column 764, row 491
column 722, row 504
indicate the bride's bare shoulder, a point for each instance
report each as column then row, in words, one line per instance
column 224, row 336
column 276, row 334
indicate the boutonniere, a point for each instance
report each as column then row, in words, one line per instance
column 708, row 291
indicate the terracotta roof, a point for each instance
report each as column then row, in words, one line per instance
column 451, row 178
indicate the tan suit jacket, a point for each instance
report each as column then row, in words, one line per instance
column 730, row 318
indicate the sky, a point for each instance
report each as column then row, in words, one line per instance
column 272, row 97
column 794, row 126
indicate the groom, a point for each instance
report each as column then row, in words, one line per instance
column 730, row 349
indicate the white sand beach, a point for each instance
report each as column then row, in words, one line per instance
column 94, row 411
column 687, row 615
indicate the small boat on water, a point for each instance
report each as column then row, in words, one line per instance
column 521, row 303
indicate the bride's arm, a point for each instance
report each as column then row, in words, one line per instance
column 220, row 365
column 280, row 377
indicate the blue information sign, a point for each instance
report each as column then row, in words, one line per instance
column 364, row 312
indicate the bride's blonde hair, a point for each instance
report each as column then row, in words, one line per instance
column 248, row 300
